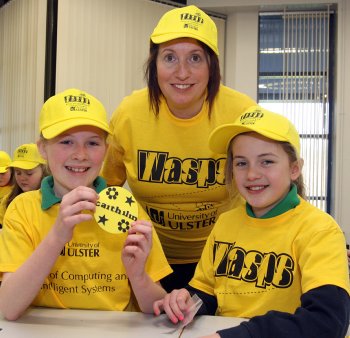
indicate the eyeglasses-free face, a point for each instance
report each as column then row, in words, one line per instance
column 183, row 75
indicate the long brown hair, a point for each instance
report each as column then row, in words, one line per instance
column 154, row 92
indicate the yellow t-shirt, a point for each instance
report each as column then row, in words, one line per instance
column 4, row 191
column 170, row 169
column 254, row 265
column 89, row 273
column 3, row 208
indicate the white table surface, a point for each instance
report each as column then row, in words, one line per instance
column 57, row 323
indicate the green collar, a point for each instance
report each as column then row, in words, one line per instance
column 289, row 202
column 48, row 195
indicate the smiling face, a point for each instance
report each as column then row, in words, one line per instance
column 183, row 75
column 262, row 171
column 29, row 180
column 75, row 157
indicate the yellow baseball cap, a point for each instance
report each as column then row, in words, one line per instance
column 257, row 119
column 5, row 160
column 69, row 109
column 27, row 157
column 186, row 22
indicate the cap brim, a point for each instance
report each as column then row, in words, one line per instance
column 220, row 138
column 58, row 128
column 26, row 165
column 3, row 170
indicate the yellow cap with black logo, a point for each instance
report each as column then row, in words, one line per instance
column 257, row 119
column 70, row 109
column 190, row 22
column 27, row 157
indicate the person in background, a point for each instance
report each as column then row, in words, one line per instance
column 29, row 169
column 53, row 252
column 277, row 260
column 160, row 138
column 5, row 174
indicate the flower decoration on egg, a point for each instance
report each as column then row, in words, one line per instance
column 123, row 225
column 112, row 193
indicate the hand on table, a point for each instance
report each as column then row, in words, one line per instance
column 178, row 305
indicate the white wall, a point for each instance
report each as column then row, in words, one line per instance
column 241, row 63
column 103, row 44
column 22, row 64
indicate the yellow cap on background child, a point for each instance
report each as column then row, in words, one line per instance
column 27, row 157
column 70, row 109
column 190, row 22
column 255, row 119
column 5, row 160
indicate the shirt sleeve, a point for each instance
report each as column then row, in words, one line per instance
column 324, row 313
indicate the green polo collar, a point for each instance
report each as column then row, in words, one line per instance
column 289, row 202
column 48, row 195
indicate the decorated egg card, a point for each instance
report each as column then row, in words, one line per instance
column 116, row 209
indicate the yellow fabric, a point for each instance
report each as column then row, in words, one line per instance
column 254, row 265
column 5, row 160
column 27, row 157
column 256, row 119
column 5, row 191
column 3, row 208
column 89, row 274
column 170, row 169
column 71, row 108
column 190, row 22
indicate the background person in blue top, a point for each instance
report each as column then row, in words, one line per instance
column 278, row 260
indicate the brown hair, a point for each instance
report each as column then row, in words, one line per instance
column 154, row 92
column 292, row 155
